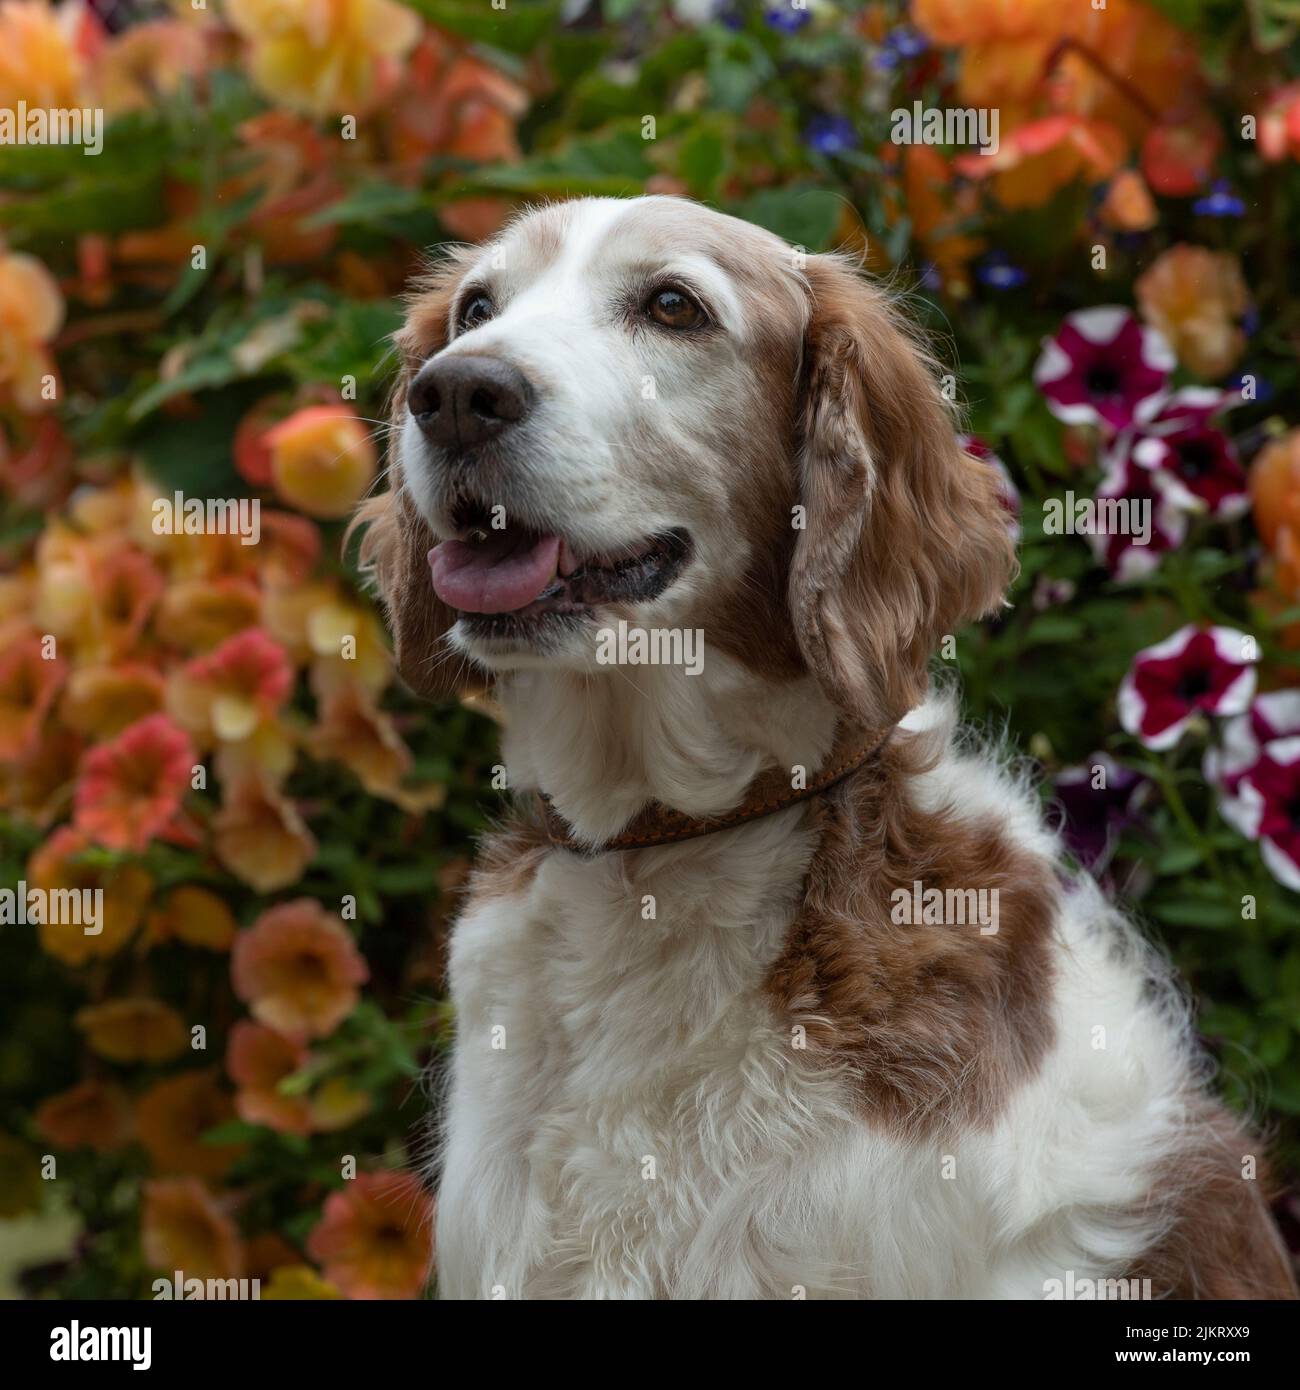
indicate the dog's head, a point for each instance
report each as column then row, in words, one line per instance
column 652, row 412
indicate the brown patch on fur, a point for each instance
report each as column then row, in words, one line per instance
column 1221, row 1240
column 936, row 1023
column 906, row 539
column 396, row 542
column 508, row 860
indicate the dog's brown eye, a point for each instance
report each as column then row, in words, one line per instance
column 477, row 309
column 674, row 309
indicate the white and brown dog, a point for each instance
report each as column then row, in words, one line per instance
column 700, row 1052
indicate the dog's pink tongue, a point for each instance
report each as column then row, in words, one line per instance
column 502, row 574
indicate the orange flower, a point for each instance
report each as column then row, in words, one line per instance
column 1128, row 205
column 375, row 1237
column 257, row 1060
column 322, row 460
column 953, row 22
column 28, row 685
column 196, row 917
column 133, row 1030
column 39, row 61
column 1178, row 158
column 1196, row 298
column 233, row 689
column 199, row 614
column 182, row 1227
column 173, row 1116
column 95, row 592
column 58, row 866
column 1044, row 155
column 354, row 731
column 31, row 313
column 259, row 835
column 325, row 56
column 298, row 969
column 1275, row 489
column 94, row 1114
column 101, row 701
column 131, row 789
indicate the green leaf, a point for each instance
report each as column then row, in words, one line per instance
column 520, row 28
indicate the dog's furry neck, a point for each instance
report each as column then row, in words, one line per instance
column 602, row 747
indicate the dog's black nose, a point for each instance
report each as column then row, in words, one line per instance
column 465, row 400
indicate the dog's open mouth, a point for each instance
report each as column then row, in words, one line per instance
column 523, row 575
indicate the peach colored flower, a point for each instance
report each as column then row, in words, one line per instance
column 291, row 546
column 101, row 701
column 199, row 614
column 375, row 1238
column 61, row 864
column 230, row 691
column 298, row 1283
column 182, row 1227
column 28, row 684
column 1043, row 155
column 354, row 731
column 260, row 836
column 39, row 60
column 31, row 313
column 257, row 1060
column 38, row 784
column 93, row 1114
column 322, row 460
column 1275, row 491
column 95, row 592
column 194, row 916
column 1196, row 298
column 325, row 57
column 1128, row 205
column 148, row 62
column 131, row 788
column 298, row 969
column 133, row 1030
column 173, row 1116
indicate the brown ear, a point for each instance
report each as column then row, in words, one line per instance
column 396, row 541
column 904, row 536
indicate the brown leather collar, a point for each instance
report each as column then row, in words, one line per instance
column 768, row 793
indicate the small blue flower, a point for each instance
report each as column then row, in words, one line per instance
column 1220, row 202
column 886, row 59
column 830, row 134
column 786, row 19
column 930, row 278
column 907, row 42
column 998, row 273
column 1250, row 320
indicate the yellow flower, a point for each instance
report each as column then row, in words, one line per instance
column 126, row 890
column 31, row 313
column 101, row 701
column 133, row 1030
column 195, row 916
column 322, row 460
column 1196, row 298
column 298, row 1283
column 325, row 56
column 39, row 63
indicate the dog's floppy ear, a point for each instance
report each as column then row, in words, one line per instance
column 396, row 541
column 904, row 538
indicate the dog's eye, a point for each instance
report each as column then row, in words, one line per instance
column 477, row 309
column 674, row 309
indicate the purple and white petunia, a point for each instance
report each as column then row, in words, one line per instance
column 1105, row 367
column 1244, row 741
column 1270, row 800
column 1197, row 670
column 1009, row 495
column 1188, row 455
column 1157, row 517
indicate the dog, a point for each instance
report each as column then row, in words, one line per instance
column 716, row 1035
